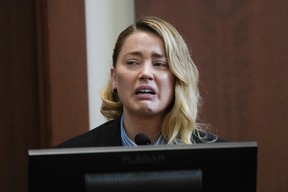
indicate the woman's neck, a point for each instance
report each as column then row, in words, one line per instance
column 148, row 125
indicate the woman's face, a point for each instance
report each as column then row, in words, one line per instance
column 142, row 77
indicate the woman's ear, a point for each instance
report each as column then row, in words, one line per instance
column 113, row 77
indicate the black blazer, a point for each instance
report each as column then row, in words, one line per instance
column 107, row 134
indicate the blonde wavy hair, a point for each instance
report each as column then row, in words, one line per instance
column 180, row 121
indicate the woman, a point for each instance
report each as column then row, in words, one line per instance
column 153, row 89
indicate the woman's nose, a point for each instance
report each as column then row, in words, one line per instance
column 146, row 71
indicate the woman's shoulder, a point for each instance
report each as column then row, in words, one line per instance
column 107, row 133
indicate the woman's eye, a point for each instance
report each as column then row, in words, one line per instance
column 161, row 64
column 132, row 62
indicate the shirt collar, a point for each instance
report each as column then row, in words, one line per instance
column 126, row 141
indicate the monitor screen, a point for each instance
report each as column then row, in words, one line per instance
column 227, row 166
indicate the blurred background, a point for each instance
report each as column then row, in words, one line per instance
column 55, row 57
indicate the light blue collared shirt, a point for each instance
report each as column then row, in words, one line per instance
column 126, row 141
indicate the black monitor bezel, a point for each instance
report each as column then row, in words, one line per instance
column 227, row 166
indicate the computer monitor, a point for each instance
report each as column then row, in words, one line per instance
column 225, row 167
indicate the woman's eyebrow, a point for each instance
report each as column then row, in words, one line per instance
column 139, row 53
column 158, row 55
column 134, row 53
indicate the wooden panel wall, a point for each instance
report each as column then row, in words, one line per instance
column 43, row 81
column 18, row 92
column 240, row 48
column 61, row 49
